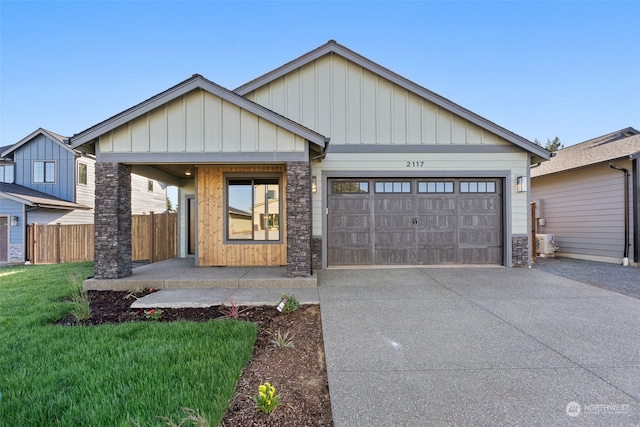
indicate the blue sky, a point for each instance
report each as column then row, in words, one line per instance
column 540, row 69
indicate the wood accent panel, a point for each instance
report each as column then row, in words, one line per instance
column 212, row 249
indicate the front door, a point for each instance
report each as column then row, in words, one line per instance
column 191, row 215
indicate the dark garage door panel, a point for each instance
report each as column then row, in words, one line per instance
column 415, row 228
column 349, row 241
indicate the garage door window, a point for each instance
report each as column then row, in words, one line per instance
column 435, row 187
column 350, row 187
column 393, row 187
column 477, row 187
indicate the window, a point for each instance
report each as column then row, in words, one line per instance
column 477, row 187
column 350, row 187
column 6, row 174
column 435, row 187
column 253, row 209
column 393, row 187
column 82, row 173
column 150, row 186
column 44, row 172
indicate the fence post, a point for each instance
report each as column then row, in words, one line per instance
column 58, row 243
column 34, row 243
column 152, row 238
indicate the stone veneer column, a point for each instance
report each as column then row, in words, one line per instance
column 520, row 251
column 298, row 196
column 112, row 221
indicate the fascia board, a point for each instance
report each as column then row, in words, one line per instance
column 15, row 198
column 195, row 83
column 333, row 47
column 32, row 135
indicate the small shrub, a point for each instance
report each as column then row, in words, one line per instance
column 153, row 314
column 232, row 310
column 288, row 303
column 79, row 298
column 191, row 416
column 282, row 341
column 266, row 399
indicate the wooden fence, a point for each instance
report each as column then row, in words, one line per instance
column 153, row 237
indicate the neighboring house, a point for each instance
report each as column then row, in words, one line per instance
column 408, row 178
column 44, row 181
column 580, row 198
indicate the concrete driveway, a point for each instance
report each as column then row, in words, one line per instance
column 478, row 346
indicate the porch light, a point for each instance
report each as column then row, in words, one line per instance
column 187, row 172
column 521, row 184
column 14, row 220
column 314, row 184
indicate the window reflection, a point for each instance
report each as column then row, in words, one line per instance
column 253, row 209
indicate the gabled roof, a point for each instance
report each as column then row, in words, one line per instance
column 332, row 47
column 192, row 83
column 614, row 145
column 30, row 197
column 40, row 131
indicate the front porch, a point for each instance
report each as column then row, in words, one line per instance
column 182, row 273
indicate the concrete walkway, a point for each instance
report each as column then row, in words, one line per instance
column 203, row 298
column 478, row 347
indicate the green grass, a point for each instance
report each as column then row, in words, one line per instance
column 110, row 375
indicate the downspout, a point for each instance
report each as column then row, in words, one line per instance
column 625, row 260
column 636, row 207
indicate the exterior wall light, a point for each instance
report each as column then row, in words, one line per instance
column 314, row 184
column 14, row 220
column 521, row 184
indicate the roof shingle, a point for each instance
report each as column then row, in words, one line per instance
column 614, row 145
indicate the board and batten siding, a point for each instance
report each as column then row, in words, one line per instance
column 584, row 210
column 43, row 148
column 446, row 163
column 352, row 105
column 211, row 247
column 199, row 122
column 11, row 208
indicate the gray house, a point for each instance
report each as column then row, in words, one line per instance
column 587, row 197
column 337, row 161
column 44, row 181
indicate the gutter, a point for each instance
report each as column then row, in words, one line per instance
column 625, row 259
column 324, row 151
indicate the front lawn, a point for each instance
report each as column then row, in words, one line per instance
column 110, row 375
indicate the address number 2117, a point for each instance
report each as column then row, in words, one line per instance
column 418, row 164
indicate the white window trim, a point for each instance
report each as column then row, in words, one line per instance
column 55, row 172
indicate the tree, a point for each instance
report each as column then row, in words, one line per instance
column 170, row 206
column 552, row 145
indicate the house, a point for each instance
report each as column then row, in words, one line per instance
column 44, row 181
column 335, row 159
column 587, row 197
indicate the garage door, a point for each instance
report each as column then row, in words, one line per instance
column 414, row 221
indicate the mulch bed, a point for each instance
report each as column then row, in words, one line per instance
column 298, row 373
